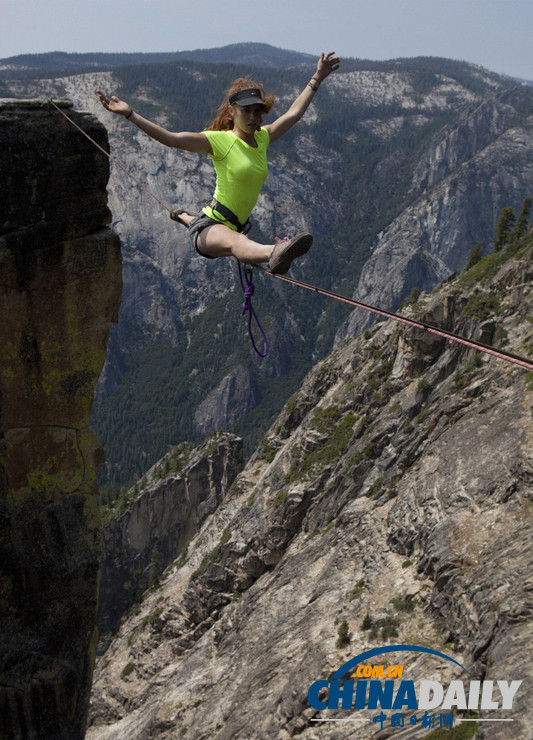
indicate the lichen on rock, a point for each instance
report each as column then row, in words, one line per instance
column 60, row 288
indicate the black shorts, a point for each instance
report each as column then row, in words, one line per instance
column 201, row 222
column 198, row 224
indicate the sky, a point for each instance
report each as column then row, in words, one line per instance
column 495, row 34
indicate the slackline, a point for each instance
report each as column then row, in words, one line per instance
column 472, row 344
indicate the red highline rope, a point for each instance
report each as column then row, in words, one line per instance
column 501, row 354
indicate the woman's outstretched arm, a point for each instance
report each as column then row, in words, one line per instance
column 326, row 64
column 187, row 140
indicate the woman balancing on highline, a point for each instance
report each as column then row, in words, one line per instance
column 237, row 143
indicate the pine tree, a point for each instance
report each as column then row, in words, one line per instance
column 343, row 633
column 155, row 569
column 503, row 228
column 523, row 220
column 475, row 256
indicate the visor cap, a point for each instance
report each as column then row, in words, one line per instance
column 252, row 96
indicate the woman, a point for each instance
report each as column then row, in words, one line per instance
column 237, row 143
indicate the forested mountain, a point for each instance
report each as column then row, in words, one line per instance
column 398, row 169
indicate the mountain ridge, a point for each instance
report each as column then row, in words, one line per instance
column 57, row 62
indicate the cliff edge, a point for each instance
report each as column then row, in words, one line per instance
column 60, row 288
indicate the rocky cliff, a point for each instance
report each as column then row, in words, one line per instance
column 398, row 169
column 170, row 504
column 460, row 184
column 60, row 286
column 390, row 503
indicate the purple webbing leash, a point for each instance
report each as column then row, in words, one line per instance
column 248, row 288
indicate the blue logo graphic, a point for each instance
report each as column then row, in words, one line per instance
column 358, row 686
column 389, row 649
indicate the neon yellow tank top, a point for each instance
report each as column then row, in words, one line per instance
column 241, row 171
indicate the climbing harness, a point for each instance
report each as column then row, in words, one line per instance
column 500, row 353
column 248, row 288
column 247, row 284
column 229, row 216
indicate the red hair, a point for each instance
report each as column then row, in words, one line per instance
column 223, row 120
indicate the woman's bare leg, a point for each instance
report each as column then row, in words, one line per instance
column 221, row 241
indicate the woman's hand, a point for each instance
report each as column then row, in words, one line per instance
column 327, row 64
column 114, row 105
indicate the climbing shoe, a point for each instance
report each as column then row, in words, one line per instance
column 176, row 213
column 286, row 250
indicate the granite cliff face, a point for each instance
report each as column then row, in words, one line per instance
column 398, row 169
column 390, row 503
column 171, row 503
column 472, row 170
column 60, row 286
